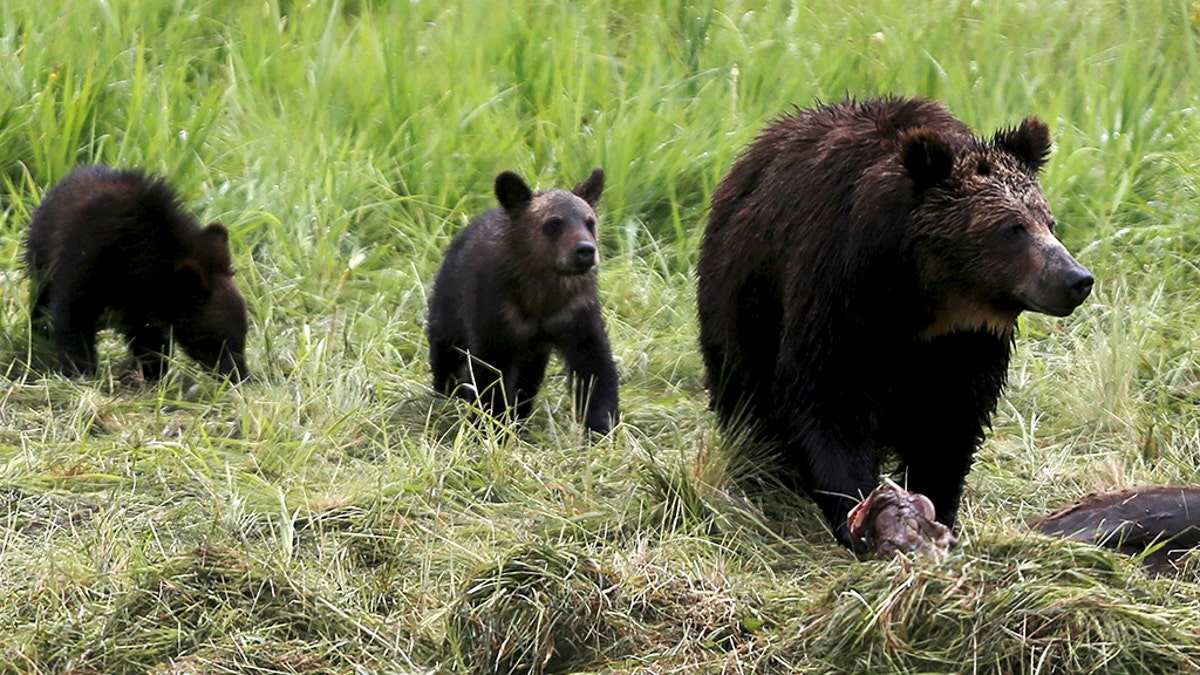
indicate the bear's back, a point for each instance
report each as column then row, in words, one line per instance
column 820, row 152
column 98, row 212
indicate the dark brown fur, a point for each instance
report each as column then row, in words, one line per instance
column 118, row 243
column 518, row 283
column 859, row 281
column 1163, row 520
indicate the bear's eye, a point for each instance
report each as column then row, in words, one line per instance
column 553, row 226
column 1016, row 230
column 590, row 224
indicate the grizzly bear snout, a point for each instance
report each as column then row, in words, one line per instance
column 1079, row 281
column 1062, row 285
column 585, row 255
column 1072, row 284
column 575, row 259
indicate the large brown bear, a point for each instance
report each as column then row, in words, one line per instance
column 859, row 284
column 518, row 283
column 113, row 246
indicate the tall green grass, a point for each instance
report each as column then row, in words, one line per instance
column 335, row 516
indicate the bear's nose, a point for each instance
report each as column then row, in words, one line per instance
column 585, row 254
column 1079, row 284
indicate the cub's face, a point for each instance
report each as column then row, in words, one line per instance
column 211, row 323
column 216, row 336
column 987, row 236
column 555, row 230
column 565, row 226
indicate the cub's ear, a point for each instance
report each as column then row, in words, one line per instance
column 927, row 156
column 216, row 232
column 589, row 190
column 215, row 244
column 1029, row 142
column 513, row 193
column 192, row 278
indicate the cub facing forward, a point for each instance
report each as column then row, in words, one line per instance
column 118, row 244
column 517, row 284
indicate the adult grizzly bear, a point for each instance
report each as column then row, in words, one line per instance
column 859, row 283
column 518, row 283
column 118, row 244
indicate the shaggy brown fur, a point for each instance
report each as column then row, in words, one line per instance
column 859, row 281
column 517, row 284
column 119, row 243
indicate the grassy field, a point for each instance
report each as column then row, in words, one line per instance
column 334, row 516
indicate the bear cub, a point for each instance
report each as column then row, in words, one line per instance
column 517, row 284
column 859, row 285
column 115, row 247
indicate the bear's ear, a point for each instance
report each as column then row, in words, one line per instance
column 216, row 232
column 927, row 156
column 513, row 193
column 589, row 190
column 1029, row 142
column 192, row 278
column 215, row 243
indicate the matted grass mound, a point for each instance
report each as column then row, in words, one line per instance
column 247, row 653
column 1011, row 606
column 34, row 514
column 188, row 605
column 539, row 610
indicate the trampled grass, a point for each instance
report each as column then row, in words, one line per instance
column 334, row 516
